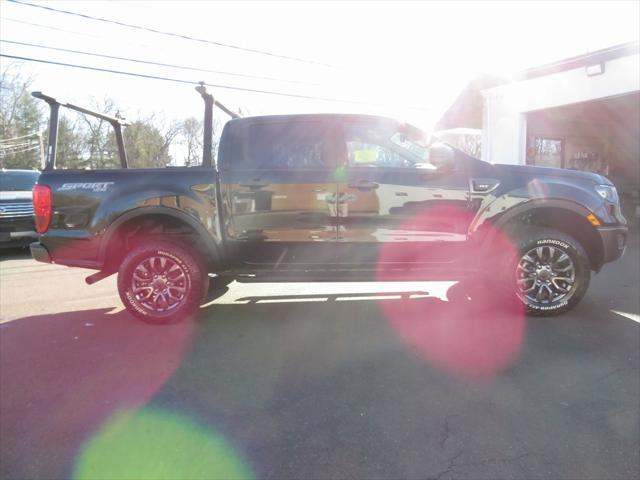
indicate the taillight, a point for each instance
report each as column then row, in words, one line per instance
column 42, row 206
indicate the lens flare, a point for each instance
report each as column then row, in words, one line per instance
column 478, row 331
column 537, row 189
column 153, row 444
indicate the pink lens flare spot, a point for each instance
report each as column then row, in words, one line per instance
column 478, row 331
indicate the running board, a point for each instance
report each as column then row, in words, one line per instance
column 353, row 276
column 96, row 277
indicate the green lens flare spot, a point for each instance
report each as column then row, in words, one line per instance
column 152, row 444
column 340, row 174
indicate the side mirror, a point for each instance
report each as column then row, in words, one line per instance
column 442, row 156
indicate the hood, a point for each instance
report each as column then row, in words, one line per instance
column 21, row 196
column 530, row 170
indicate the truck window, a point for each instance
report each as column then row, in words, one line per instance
column 366, row 154
column 381, row 146
column 282, row 145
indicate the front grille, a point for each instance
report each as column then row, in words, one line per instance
column 15, row 210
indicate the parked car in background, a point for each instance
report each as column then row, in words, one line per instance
column 17, row 226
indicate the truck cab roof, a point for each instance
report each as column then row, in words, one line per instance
column 309, row 117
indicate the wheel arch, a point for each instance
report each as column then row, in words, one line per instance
column 119, row 237
column 565, row 216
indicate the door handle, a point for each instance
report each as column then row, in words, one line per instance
column 364, row 185
column 483, row 185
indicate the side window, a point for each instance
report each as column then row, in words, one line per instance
column 382, row 146
column 366, row 154
column 283, row 145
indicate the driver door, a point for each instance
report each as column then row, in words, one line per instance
column 397, row 210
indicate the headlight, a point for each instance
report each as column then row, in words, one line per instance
column 608, row 192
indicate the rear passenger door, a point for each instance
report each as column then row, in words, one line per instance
column 279, row 193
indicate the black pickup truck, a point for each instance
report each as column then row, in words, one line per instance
column 325, row 197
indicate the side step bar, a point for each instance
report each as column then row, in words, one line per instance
column 96, row 277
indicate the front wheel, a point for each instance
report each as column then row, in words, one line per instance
column 161, row 282
column 551, row 272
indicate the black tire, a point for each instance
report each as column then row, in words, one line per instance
column 557, row 283
column 162, row 282
column 220, row 282
column 218, row 286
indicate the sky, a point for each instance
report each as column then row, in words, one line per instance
column 405, row 60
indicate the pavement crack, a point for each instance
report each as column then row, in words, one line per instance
column 453, row 465
column 447, row 430
column 450, row 467
column 615, row 372
column 499, row 460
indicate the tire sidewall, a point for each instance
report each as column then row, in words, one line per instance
column 558, row 240
column 177, row 253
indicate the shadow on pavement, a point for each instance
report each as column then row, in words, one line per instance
column 14, row 253
column 385, row 388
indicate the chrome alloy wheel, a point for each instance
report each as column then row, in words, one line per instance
column 545, row 275
column 159, row 284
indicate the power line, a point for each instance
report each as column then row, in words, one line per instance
column 190, row 82
column 22, row 150
column 171, row 34
column 147, row 62
column 64, row 30
column 2, row 140
column 17, row 152
column 51, row 28
column 74, row 32
column 16, row 145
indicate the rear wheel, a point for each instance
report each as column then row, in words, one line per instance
column 550, row 273
column 161, row 282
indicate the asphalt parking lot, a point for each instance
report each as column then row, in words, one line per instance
column 310, row 380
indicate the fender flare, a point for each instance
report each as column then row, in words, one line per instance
column 525, row 207
column 213, row 249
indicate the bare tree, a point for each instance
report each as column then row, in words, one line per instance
column 99, row 135
column 20, row 120
column 191, row 139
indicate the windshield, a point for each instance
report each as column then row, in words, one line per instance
column 414, row 146
column 17, row 181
